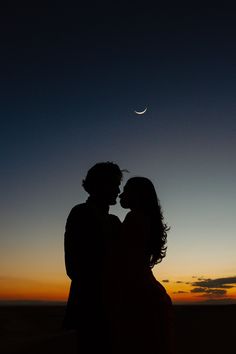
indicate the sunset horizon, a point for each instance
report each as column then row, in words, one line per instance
column 193, row 290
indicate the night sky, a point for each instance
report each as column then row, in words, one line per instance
column 71, row 79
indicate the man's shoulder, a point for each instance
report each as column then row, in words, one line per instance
column 79, row 207
column 79, row 215
column 78, row 210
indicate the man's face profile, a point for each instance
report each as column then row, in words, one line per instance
column 102, row 182
column 110, row 191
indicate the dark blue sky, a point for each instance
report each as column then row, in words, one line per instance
column 71, row 79
column 70, row 69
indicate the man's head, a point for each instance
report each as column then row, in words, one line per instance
column 102, row 182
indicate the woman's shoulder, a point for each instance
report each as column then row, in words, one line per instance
column 137, row 222
column 136, row 216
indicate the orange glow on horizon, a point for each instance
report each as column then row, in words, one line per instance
column 18, row 289
column 25, row 289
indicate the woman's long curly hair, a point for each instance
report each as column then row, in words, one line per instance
column 148, row 202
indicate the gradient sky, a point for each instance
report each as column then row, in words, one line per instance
column 71, row 79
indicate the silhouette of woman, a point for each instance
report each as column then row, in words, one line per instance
column 146, row 320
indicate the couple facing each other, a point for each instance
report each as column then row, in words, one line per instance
column 115, row 303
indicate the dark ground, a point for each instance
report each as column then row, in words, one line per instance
column 37, row 330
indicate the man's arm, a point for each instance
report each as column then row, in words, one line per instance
column 73, row 229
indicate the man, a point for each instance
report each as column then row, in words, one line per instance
column 89, row 235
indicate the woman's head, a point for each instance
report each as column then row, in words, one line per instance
column 139, row 193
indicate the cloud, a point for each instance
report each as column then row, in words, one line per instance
column 197, row 290
column 216, row 283
column 179, row 282
column 213, row 287
column 165, row 281
column 209, row 292
column 180, row 292
column 215, row 292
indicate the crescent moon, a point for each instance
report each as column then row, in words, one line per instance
column 141, row 112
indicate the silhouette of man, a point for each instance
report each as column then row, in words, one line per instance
column 88, row 235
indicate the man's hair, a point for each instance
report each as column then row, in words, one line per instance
column 100, row 174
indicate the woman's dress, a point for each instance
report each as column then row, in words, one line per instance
column 145, row 308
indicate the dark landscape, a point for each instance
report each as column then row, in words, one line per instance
column 31, row 329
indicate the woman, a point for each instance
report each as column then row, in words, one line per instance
column 146, row 323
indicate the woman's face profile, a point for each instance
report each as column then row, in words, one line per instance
column 128, row 198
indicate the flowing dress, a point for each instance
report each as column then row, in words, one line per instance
column 145, row 309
